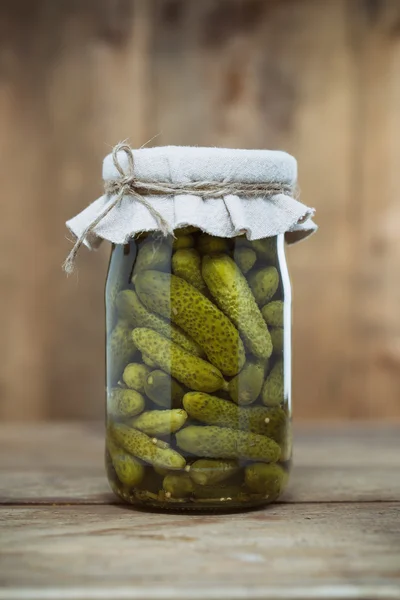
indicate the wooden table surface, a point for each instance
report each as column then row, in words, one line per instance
column 334, row 534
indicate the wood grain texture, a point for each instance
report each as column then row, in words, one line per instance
column 287, row 551
column 63, row 464
column 319, row 79
column 335, row 534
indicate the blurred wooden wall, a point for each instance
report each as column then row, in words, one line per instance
column 318, row 78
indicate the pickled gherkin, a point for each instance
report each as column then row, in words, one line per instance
column 140, row 445
column 216, row 411
column 209, row 472
column 210, row 244
column 153, row 254
column 245, row 259
column 137, row 315
column 198, row 412
column 264, row 283
column 183, row 241
column 163, row 390
column 221, row 442
column 135, row 375
column 273, row 390
column 266, row 479
column 122, row 402
column 129, row 469
column 120, row 350
column 187, row 265
column 245, row 387
column 273, row 313
column 277, row 339
column 231, row 292
column 192, row 371
column 159, row 422
column 172, row 297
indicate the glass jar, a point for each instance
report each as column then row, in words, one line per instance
column 198, row 371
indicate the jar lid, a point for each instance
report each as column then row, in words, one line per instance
column 223, row 192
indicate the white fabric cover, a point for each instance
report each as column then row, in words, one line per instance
column 224, row 217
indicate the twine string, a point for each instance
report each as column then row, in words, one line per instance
column 128, row 185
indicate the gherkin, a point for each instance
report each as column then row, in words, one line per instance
column 192, row 371
column 187, row 265
column 172, row 297
column 264, row 284
column 231, row 292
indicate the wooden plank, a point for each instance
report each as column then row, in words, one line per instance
column 373, row 381
column 286, row 551
column 62, row 464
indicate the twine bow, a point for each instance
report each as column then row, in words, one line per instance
column 128, row 185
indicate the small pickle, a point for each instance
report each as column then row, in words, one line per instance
column 231, row 292
column 266, row 249
column 128, row 469
column 130, row 306
column 178, row 485
column 163, row 390
column 264, row 284
column 192, row 371
column 270, row 422
column 245, row 258
column 269, row 480
column 120, row 350
column 135, row 375
column 147, row 361
column 209, row 472
column 273, row 390
column 277, row 338
column 175, row 298
column 153, row 254
column 159, row 422
column 221, row 442
column 188, row 230
column 210, row 244
column 142, row 446
column 245, row 388
column 273, row 313
column 124, row 403
column 187, row 265
column 183, row 241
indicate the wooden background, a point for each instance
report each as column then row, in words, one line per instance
column 318, row 78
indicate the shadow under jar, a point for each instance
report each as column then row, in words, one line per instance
column 198, row 371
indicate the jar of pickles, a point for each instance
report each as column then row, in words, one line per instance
column 199, row 353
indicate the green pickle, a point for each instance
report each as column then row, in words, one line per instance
column 142, row 446
column 269, row 480
column 163, row 390
column 245, row 259
column 124, row 403
column 159, row 422
column 221, row 442
column 129, row 470
column 183, row 241
column 133, row 311
column 172, row 297
column 135, row 375
column 210, row 472
column 120, row 350
column 190, row 370
column 186, row 264
column 246, row 386
column 277, row 339
column 231, row 292
column 273, row 313
column 273, row 390
column 153, row 254
column 264, row 284
column 198, row 415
